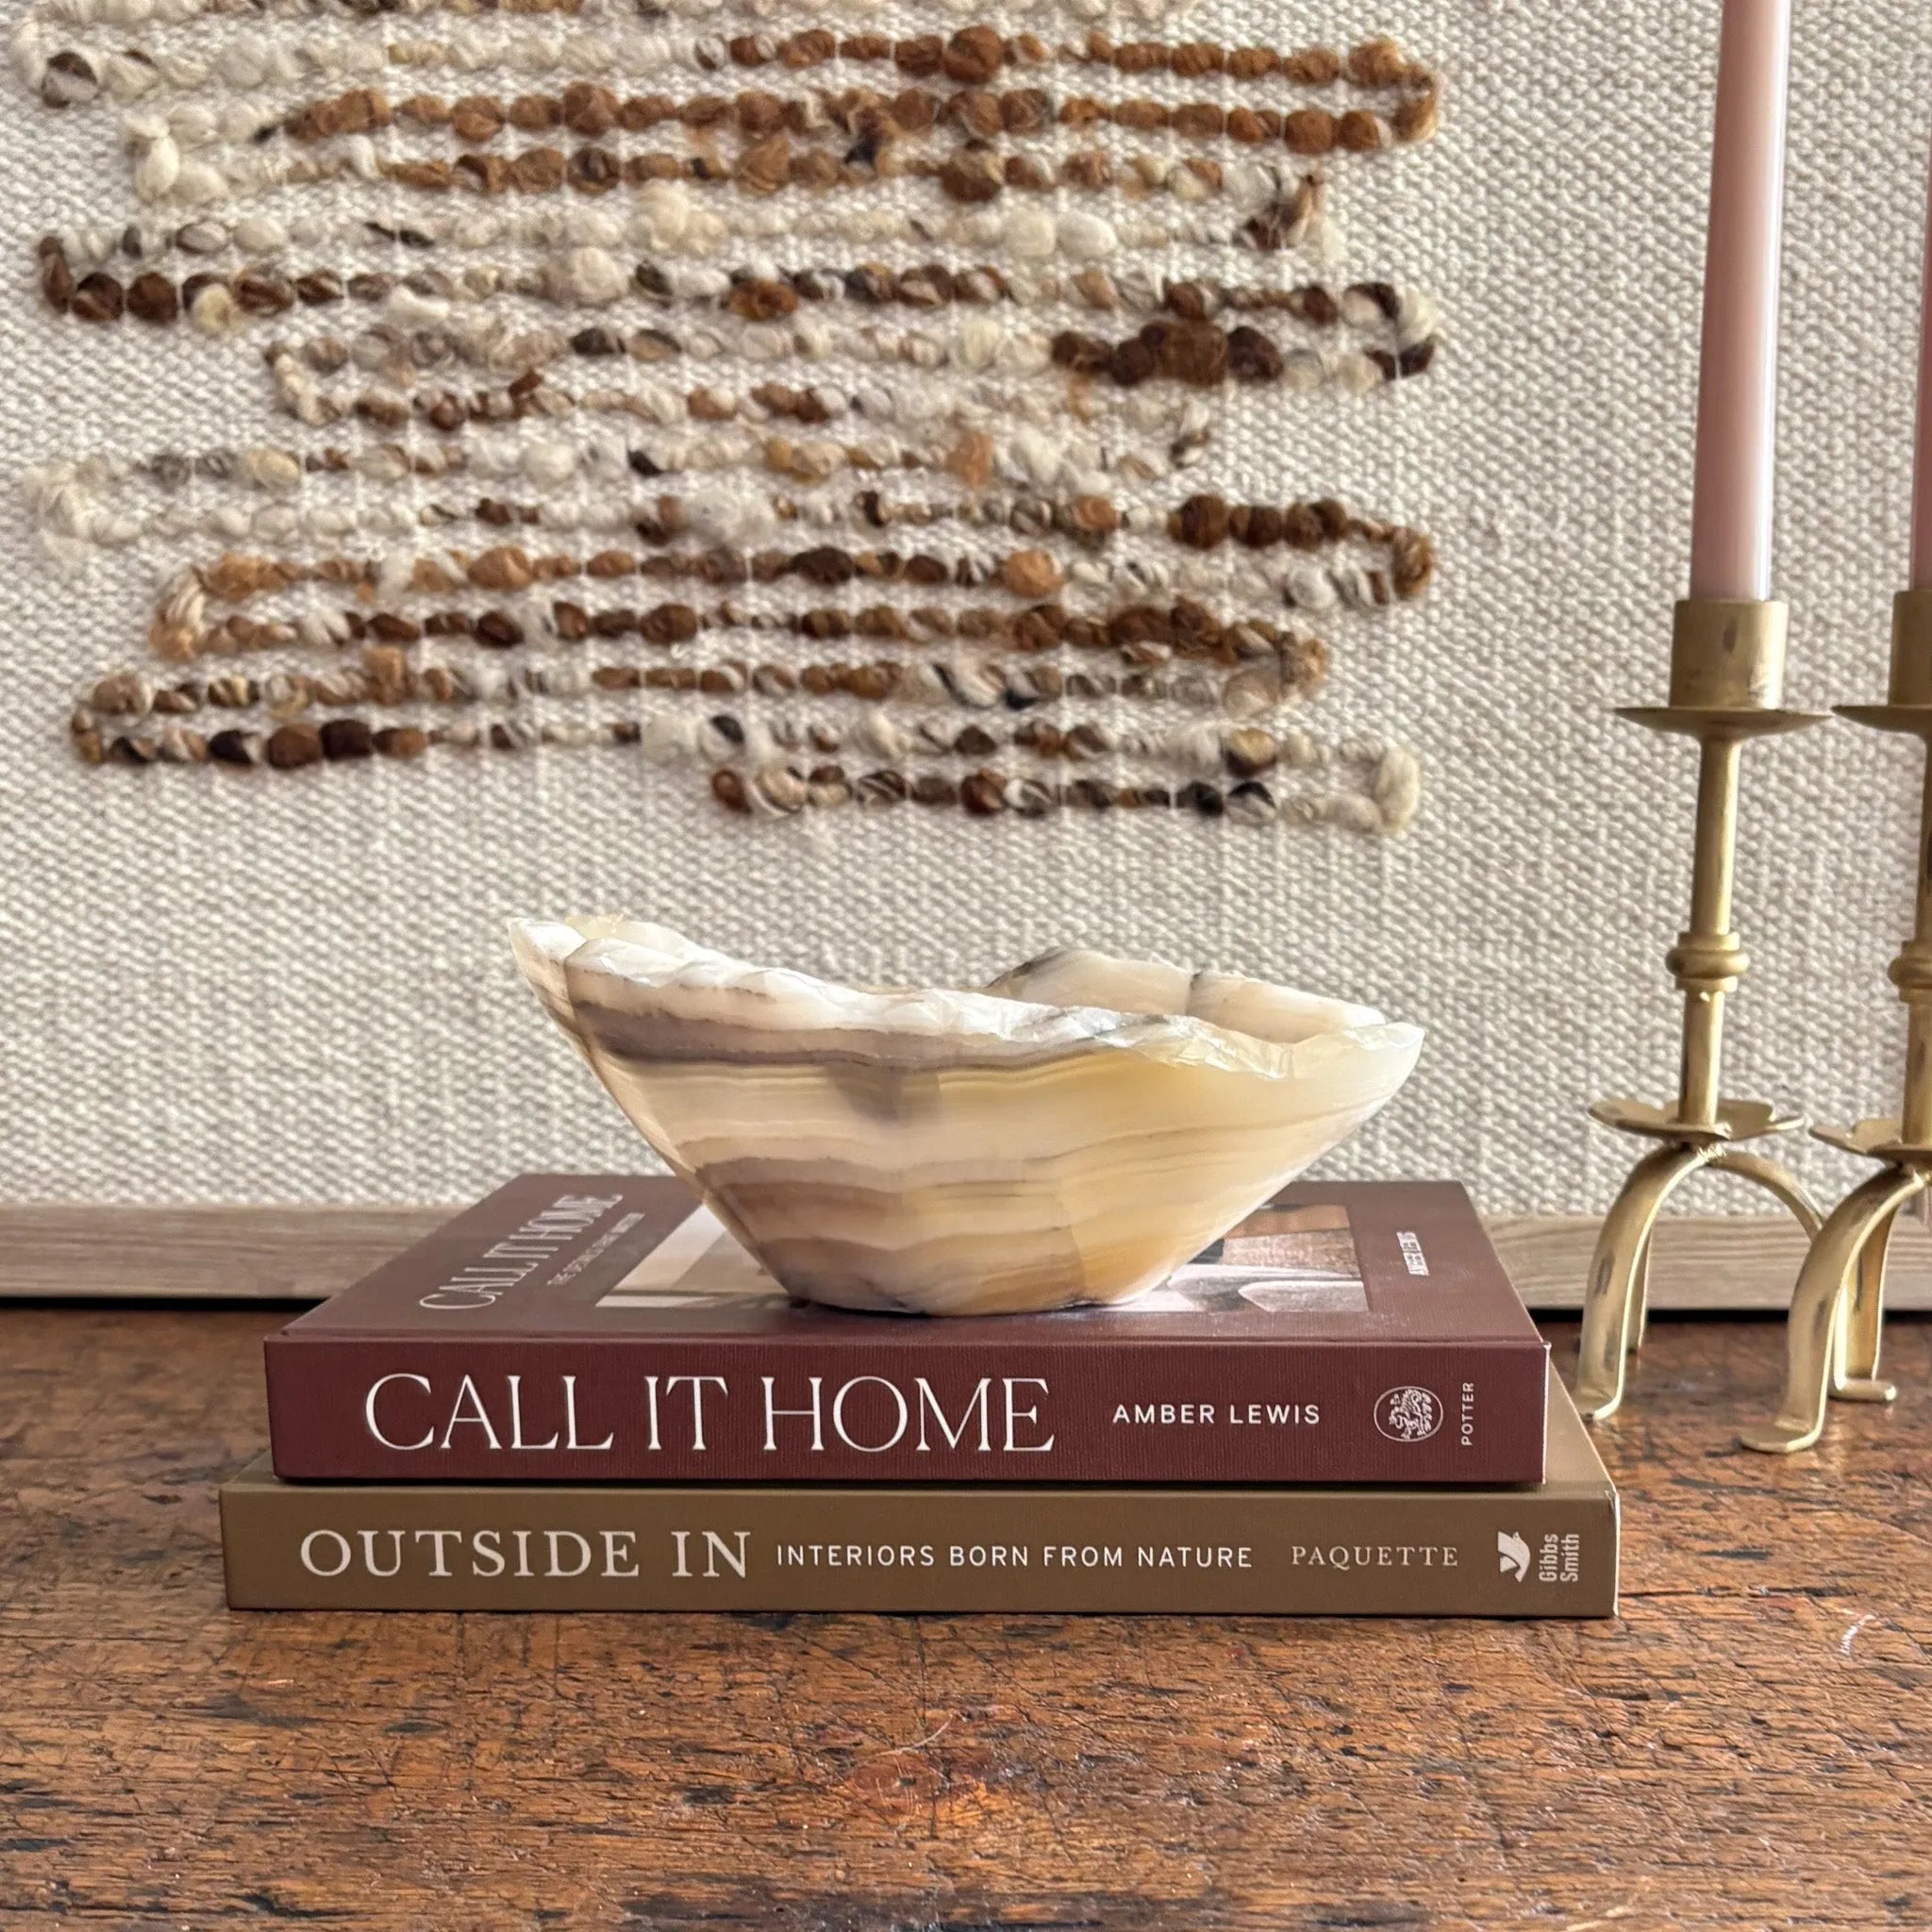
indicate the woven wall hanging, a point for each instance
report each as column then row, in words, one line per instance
column 813, row 408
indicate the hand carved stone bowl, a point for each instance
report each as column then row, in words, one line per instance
column 1072, row 1134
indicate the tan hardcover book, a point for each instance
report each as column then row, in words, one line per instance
column 1541, row 1550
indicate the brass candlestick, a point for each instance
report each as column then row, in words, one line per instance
column 1728, row 663
column 1838, row 1307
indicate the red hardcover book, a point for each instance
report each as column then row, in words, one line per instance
column 588, row 1328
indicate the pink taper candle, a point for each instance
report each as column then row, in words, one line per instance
column 1736, row 395
column 1922, row 463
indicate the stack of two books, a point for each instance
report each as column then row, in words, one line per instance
column 581, row 1394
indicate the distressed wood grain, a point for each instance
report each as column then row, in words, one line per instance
column 305, row 1254
column 1749, row 1746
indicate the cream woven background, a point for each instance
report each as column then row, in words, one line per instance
column 295, row 988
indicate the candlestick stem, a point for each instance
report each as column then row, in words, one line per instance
column 1715, row 864
column 1915, row 1125
column 1708, row 961
column 1913, row 965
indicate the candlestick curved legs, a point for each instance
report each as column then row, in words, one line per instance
column 1837, row 1312
column 1615, row 1303
column 1864, row 1324
column 1775, row 1181
column 1619, row 1278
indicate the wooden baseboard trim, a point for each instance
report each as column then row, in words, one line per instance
column 217, row 1253
column 1706, row 1263
column 305, row 1254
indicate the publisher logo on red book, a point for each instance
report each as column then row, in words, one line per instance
column 1409, row 1414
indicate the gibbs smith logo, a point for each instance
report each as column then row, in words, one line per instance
column 1512, row 1554
column 1409, row 1414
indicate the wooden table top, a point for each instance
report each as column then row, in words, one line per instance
column 1749, row 1746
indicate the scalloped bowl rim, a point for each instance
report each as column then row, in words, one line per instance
column 803, row 1003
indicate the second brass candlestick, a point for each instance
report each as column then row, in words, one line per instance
column 1838, row 1307
column 1726, row 683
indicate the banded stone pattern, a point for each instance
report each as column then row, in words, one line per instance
column 819, row 407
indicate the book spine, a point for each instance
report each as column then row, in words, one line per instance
column 927, row 1408
column 1454, row 1553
